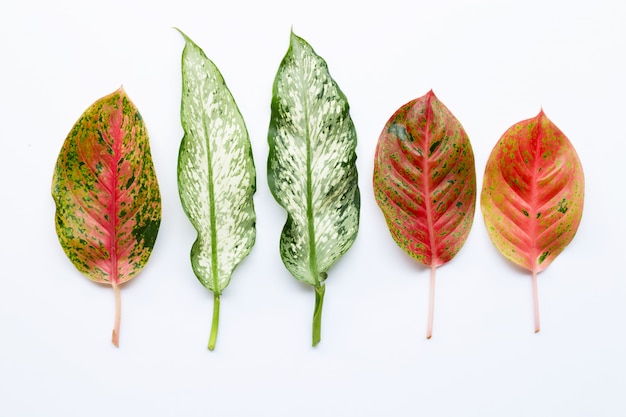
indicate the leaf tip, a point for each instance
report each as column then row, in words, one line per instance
column 430, row 96
column 542, row 114
column 292, row 36
column 296, row 41
column 181, row 33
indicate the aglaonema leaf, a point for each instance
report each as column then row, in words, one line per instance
column 216, row 175
column 108, row 205
column 425, row 183
column 532, row 197
column 311, row 168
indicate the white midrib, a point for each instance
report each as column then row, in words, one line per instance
column 214, row 257
column 309, row 189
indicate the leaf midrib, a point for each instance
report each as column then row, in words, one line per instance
column 427, row 188
column 309, row 186
column 534, row 197
column 113, row 209
column 214, row 260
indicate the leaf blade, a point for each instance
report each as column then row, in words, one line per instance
column 425, row 181
column 104, row 185
column 311, row 164
column 216, row 173
column 533, row 191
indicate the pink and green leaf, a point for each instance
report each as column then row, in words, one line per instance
column 532, row 197
column 108, row 205
column 425, row 182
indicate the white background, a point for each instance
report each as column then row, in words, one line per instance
column 492, row 63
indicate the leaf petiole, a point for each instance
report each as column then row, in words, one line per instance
column 115, row 337
column 216, row 319
column 317, row 313
column 431, row 303
column 536, row 301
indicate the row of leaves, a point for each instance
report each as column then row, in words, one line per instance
column 108, row 205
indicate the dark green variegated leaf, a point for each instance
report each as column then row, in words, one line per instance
column 311, row 168
column 108, row 206
column 216, row 175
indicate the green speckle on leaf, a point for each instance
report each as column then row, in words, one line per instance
column 400, row 132
column 562, row 206
column 525, row 213
column 147, row 233
column 433, row 147
column 130, row 182
column 543, row 256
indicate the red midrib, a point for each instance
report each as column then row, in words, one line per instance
column 115, row 132
column 426, row 184
column 534, row 197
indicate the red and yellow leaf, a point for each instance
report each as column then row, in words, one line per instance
column 108, row 205
column 425, row 182
column 532, row 197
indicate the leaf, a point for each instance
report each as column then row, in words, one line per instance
column 425, row 183
column 108, row 205
column 311, row 168
column 532, row 198
column 216, row 175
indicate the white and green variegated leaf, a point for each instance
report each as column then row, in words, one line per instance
column 311, row 166
column 216, row 174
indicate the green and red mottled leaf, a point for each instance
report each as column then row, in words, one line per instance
column 216, row 175
column 311, row 168
column 425, row 182
column 108, row 205
column 532, row 197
